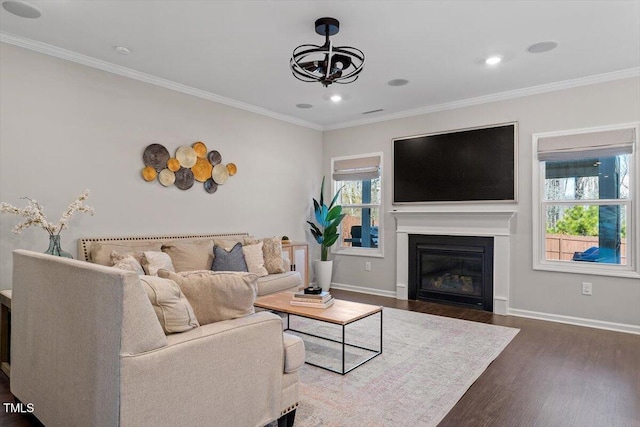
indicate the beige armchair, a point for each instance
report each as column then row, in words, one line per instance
column 88, row 350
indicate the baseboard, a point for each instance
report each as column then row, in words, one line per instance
column 578, row 321
column 360, row 289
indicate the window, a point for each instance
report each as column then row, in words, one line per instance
column 585, row 220
column 360, row 178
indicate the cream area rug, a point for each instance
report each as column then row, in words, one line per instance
column 428, row 363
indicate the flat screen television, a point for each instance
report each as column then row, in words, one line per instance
column 470, row 165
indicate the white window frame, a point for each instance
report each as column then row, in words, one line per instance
column 378, row 252
column 632, row 269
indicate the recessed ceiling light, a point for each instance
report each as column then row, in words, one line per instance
column 542, row 47
column 304, row 106
column 493, row 60
column 397, row 82
column 336, row 98
column 122, row 50
column 21, row 9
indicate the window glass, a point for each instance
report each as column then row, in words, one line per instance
column 360, row 227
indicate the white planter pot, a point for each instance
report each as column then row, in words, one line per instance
column 323, row 270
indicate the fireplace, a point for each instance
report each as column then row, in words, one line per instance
column 451, row 269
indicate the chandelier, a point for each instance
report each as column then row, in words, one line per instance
column 327, row 63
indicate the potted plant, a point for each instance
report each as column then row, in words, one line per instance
column 328, row 219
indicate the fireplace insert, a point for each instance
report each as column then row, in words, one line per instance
column 452, row 269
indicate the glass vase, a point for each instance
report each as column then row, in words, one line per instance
column 54, row 247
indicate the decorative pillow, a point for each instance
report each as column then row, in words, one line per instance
column 254, row 258
column 272, row 252
column 171, row 306
column 100, row 253
column 232, row 260
column 153, row 261
column 217, row 295
column 128, row 261
column 227, row 242
column 190, row 255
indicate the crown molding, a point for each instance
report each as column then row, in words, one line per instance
column 168, row 84
column 89, row 61
column 502, row 96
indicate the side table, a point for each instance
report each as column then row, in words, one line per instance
column 5, row 331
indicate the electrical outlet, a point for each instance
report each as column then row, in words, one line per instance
column 367, row 266
column 586, row 288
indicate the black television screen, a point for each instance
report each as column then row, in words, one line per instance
column 468, row 165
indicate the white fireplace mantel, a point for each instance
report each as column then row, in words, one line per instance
column 463, row 220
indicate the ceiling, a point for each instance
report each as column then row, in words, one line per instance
column 237, row 52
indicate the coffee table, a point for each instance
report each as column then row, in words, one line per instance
column 340, row 313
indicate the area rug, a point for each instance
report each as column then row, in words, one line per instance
column 428, row 363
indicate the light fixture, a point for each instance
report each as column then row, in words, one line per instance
column 122, row 50
column 493, row 60
column 327, row 63
column 336, row 98
column 542, row 47
column 22, row 9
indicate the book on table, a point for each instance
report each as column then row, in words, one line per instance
column 318, row 304
column 322, row 297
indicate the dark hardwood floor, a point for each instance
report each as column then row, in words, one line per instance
column 550, row 375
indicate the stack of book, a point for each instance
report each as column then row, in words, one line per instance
column 321, row 300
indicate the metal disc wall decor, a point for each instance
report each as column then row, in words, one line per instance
column 210, row 186
column 173, row 164
column 214, row 157
column 189, row 164
column 156, row 156
column 202, row 169
column 184, row 179
column 220, row 174
column 149, row 173
column 200, row 148
column 187, row 156
column 166, row 177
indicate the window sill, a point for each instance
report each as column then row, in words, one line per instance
column 372, row 253
column 588, row 268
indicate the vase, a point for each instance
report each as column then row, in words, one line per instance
column 323, row 270
column 54, row 247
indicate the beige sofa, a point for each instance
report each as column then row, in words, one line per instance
column 88, row 350
column 97, row 249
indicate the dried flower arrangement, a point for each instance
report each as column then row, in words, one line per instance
column 34, row 214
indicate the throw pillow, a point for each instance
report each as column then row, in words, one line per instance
column 127, row 261
column 217, row 295
column 100, row 253
column 171, row 306
column 254, row 258
column 272, row 252
column 153, row 261
column 232, row 260
column 190, row 255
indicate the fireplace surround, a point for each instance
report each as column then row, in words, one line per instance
column 487, row 220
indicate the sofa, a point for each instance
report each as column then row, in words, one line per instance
column 88, row 349
column 188, row 252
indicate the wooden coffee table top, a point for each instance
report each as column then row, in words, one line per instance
column 341, row 312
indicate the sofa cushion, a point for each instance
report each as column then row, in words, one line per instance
column 229, row 260
column 190, row 255
column 291, row 280
column 293, row 353
column 254, row 258
column 171, row 306
column 101, row 252
column 272, row 252
column 152, row 261
column 127, row 261
column 216, row 295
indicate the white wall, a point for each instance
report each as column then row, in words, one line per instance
column 65, row 127
column 614, row 300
